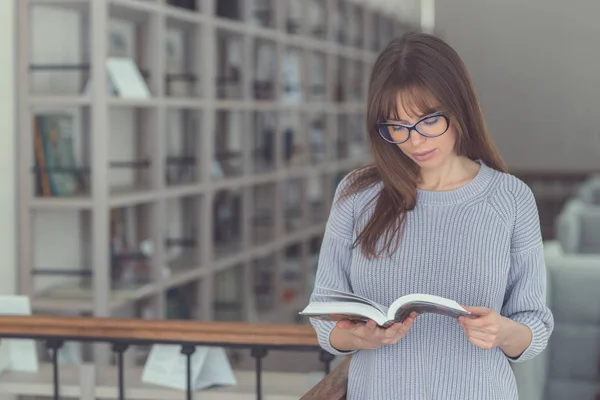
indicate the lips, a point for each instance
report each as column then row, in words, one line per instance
column 422, row 154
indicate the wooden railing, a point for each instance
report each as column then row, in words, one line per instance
column 259, row 338
column 230, row 334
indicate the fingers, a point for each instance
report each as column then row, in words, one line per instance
column 482, row 333
column 482, row 336
column 374, row 336
column 348, row 324
column 401, row 327
column 476, row 323
column 482, row 344
column 397, row 331
column 481, row 311
column 365, row 330
column 370, row 329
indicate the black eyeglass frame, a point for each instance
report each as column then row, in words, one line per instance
column 413, row 127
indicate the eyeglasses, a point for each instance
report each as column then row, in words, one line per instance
column 430, row 126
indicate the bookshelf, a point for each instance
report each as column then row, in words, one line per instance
column 208, row 198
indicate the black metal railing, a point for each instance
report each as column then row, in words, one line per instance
column 123, row 333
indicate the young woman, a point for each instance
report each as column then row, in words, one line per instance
column 435, row 213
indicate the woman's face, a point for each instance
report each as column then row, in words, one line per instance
column 432, row 148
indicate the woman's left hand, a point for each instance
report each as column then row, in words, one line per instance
column 488, row 330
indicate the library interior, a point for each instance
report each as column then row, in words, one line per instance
column 155, row 223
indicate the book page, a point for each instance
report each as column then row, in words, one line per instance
column 345, row 298
column 348, row 296
column 334, row 310
column 424, row 303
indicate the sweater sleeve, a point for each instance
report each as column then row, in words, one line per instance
column 525, row 300
column 334, row 261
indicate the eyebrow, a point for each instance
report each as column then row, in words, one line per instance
column 403, row 122
column 390, row 120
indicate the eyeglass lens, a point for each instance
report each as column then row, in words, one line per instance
column 432, row 126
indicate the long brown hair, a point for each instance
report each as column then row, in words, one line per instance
column 414, row 69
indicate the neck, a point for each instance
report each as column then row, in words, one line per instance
column 453, row 173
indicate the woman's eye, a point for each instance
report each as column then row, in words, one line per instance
column 431, row 121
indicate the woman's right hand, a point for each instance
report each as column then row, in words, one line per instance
column 349, row 335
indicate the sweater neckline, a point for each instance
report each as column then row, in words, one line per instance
column 469, row 190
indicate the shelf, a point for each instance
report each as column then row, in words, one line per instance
column 138, row 103
column 184, row 276
column 231, row 26
column 182, row 102
column 133, row 10
column 187, row 271
column 175, row 191
column 174, row 102
column 131, row 197
column 237, row 85
column 61, row 203
column 182, row 18
column 74, row 298
column 74, row 5
column 59, row 101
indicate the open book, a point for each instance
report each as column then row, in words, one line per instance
column 343, row 305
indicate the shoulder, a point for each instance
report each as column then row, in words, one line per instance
column 350, row 201
column 511, row 195
column 347, row 196
column 515, row 200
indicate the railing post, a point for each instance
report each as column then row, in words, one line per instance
column 120, row 348
column 259, row 353
column 188, row 350
column 54, row 345
column 326, row 358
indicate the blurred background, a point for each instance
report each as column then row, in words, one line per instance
column 176, row 159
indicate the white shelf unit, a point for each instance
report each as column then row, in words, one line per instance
column 274, row 92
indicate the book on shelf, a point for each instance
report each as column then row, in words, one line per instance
column 316, row 17
column 292, row 77
column 124, row 80
column 338, row 305
column 54, row 148
column 295, row 13
column 175, row 63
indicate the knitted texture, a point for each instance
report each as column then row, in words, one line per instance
column 479, row 245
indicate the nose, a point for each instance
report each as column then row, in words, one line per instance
column 416, row 139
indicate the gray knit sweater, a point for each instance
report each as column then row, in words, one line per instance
column 479, row 245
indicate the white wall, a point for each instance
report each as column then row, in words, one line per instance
column 535, row 67
column 408, row 9
column 7, row 151
column 428, row 15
